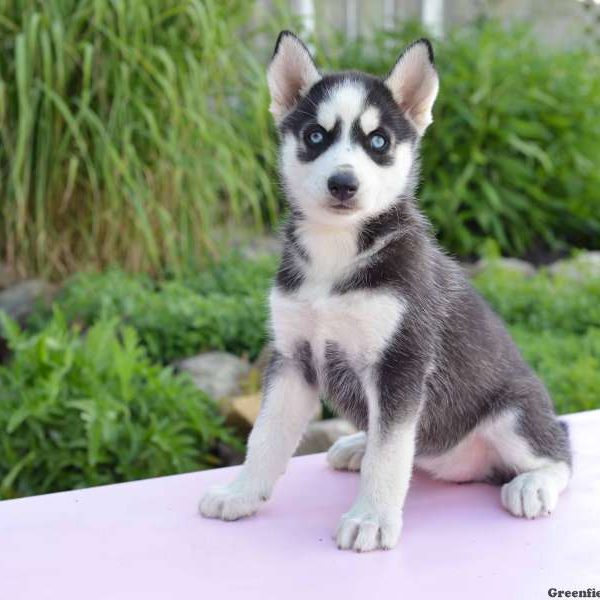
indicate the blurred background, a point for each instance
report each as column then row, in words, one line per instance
column 139, row 206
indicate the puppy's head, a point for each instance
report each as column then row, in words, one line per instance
column 349, row 140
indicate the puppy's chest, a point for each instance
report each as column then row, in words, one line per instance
column 358, row 323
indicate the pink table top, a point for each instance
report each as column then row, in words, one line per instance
column 145, row 540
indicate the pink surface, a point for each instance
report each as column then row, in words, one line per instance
column 145, row 540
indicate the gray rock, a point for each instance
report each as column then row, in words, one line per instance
column 508, row 264
column 242, row 411
column 582, row 266
column 20, row 299
column 219, row 374
column 320, row 435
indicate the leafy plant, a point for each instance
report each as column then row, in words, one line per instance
column 128, row 130
column 133, row 133
column 568, row 364
column 555, row 321
column 221, row 308
column 543, row 302
column 514, row 151
column 87, row 410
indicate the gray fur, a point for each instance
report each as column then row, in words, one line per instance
column 451, row 360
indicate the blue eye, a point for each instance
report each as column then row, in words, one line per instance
column 378, row 142
column 314, row 137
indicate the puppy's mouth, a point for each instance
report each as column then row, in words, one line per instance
column 342, row 206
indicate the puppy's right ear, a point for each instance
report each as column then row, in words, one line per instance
column 291, row 74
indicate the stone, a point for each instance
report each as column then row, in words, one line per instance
column 218, row 374
column 19, row 300
column 320, row 435
column 242, row 411
column 578, row 268
column 507, row 264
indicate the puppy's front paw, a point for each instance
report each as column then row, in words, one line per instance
column 230, row 502
column 364, row 529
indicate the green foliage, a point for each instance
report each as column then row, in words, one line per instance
column 131, row 132
column 514, row 151
column 222, row 308
column 128, row 130
column 556, row 324
column 568, row 364
column 544, row 302
column 234, row 275
column 87, row 410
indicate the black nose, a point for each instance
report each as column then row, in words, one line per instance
column 343, row 185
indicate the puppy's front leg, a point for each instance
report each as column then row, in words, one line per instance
column 375, row 519
column 288, row 404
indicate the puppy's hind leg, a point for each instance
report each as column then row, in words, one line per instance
column 534, row 447
column 347, row 452
column 535, row 493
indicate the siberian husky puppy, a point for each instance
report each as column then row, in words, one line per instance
column 369, row 312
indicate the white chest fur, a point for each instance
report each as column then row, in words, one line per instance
column 361, row 323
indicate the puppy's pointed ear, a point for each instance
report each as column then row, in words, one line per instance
column 414, row 83
column 291, row 74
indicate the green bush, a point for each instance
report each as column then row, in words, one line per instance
column 131, row 132
column 514, row 150
column 128, row 130
column 234, row 275
column 544, row 302
column 568, row 364
column 222, row 308
column 555, row 321
column 78, row 411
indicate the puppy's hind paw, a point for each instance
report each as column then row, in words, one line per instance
column 530, row 495
column 347, row 453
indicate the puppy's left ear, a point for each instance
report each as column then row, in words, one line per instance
column 414, row 83
column 291, row 74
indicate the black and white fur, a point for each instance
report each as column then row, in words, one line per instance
column 369, row 312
